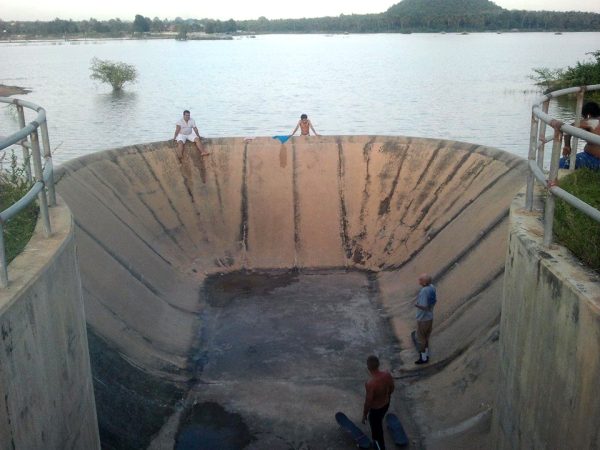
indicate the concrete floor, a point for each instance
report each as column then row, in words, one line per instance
column 279, row 354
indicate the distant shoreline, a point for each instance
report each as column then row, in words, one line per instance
column 223, row 37
column 7, row 91
column 81, row 38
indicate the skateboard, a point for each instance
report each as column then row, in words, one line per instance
column 361, row 439
column 396, row 429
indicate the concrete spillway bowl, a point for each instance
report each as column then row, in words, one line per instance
column 234, row 298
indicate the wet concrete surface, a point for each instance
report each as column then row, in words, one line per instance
column 133, row 405
column 209, row 426
column 282, row 352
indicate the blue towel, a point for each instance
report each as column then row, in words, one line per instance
column 282, row 139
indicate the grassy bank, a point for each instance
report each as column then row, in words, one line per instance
column 573, row 229
column 19, row 229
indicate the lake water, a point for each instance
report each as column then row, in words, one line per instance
column 472, row 88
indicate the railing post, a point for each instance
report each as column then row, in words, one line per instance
column 552, row 178
column 48, row 160
column 3, row 264
column 532, row 156
column 26, row 157
column 39, row 176
column 575, row 139
column 541, row 152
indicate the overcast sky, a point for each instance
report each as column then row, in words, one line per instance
column 236, row 9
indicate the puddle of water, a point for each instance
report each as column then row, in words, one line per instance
column 208, row 426
column 242, row 284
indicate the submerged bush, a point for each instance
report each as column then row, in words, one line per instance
column 573, row 229
column 113, row 72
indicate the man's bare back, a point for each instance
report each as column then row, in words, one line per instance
column 593, row 126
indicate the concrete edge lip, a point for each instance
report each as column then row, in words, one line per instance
column 493, row 152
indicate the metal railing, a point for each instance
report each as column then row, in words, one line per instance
column 42, row 177
column 537, row 141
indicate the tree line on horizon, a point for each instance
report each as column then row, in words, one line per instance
column 410, row 18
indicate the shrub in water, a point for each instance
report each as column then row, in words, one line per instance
column 113, row 72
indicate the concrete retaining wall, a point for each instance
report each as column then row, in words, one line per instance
column 46, row 396
column 549, row 346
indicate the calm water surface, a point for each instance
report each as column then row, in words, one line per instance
column 471, row 88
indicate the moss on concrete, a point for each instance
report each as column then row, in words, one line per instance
column 573, row 229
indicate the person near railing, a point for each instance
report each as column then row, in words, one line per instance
column 590, row 157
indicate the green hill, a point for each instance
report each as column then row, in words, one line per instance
column 481, row 15
column 438, row 8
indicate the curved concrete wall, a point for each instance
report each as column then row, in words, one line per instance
column 47, row 398
column 549, row 346
column 150, row 230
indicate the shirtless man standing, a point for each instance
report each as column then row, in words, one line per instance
column 186, row 130
column 305, row 126
column 379, row 388
column 590, row 157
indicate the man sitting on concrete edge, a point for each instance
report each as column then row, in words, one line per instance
column 590, row 157
column 186, row 130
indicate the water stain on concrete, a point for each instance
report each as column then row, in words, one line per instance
column 221, row 290
column 283, row 157
column 132, row 416
column 208, row 426
column 275, row 345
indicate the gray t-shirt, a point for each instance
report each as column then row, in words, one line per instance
column 426, row 298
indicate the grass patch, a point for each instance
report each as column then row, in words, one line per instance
column 573, row 229
column 19, row 229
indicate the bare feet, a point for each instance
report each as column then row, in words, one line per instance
column 205, row 153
